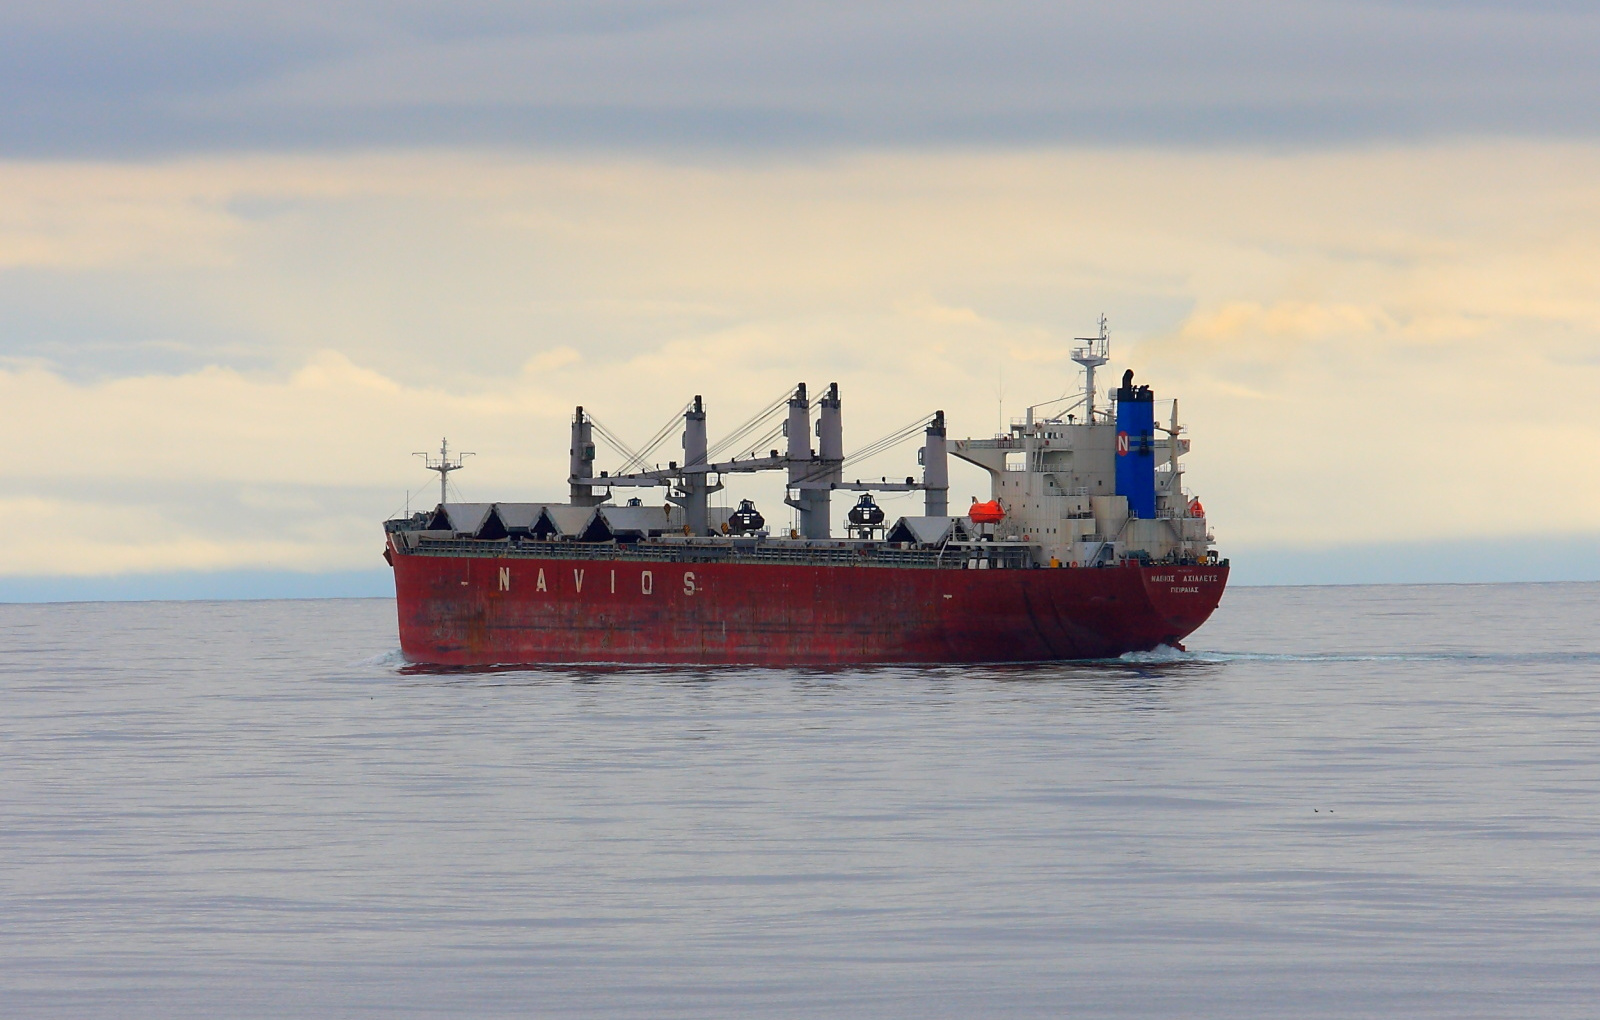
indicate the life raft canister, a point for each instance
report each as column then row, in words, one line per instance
column 1195, row 509
column 986, row 513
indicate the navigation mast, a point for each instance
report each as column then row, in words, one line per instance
column 1096, row 351
column 444, row 465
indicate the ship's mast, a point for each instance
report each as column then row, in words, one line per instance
column 1172, row 443
column 1096, row 351
column 444, row 465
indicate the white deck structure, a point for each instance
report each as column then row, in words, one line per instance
column 1055, row 477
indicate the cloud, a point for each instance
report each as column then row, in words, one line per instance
column 1326, row 426
column 1238, row 321
column 98, row 78
column 86, row 539
column 216, row 469
column 1375, row 345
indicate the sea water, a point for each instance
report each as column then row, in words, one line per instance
column 1341, row 802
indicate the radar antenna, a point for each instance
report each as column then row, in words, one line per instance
column 1096, row 351
column 444, row 465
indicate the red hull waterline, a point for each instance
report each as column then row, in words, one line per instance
column 486, row 610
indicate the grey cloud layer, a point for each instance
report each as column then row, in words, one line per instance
column 102, row 79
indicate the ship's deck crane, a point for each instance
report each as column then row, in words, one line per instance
column 814, row 474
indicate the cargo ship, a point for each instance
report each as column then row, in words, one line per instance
column 1089, row 546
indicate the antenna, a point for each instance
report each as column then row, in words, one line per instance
column 1096, row 351
column 1000, row 401
column 444, row 465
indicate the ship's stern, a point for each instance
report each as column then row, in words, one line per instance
column 1183, row 598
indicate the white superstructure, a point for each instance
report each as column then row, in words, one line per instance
column 1056, row 476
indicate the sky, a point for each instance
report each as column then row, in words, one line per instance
column 253, row 256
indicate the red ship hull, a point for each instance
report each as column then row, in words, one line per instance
column 484, row 610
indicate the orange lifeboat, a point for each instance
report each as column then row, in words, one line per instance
column 1195, row 509
column 987, row 513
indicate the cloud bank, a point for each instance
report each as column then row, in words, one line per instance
column 252, row 256
column 225, row 362
column 162, row 77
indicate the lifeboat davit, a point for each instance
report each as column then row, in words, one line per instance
column 986, row 513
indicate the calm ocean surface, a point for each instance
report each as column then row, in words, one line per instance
column 1344, row 802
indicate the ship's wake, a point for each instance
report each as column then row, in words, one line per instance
column 1161, row 654
column 393, row 657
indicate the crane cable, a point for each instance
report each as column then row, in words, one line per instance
column 749, row 426
column 611, row 440
column 660, row 436
column 875, row 447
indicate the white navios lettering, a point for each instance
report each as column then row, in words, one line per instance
column 688, row 582
column 647, row 583
column 540, row 583
column 577, row 581
column 505, row 578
